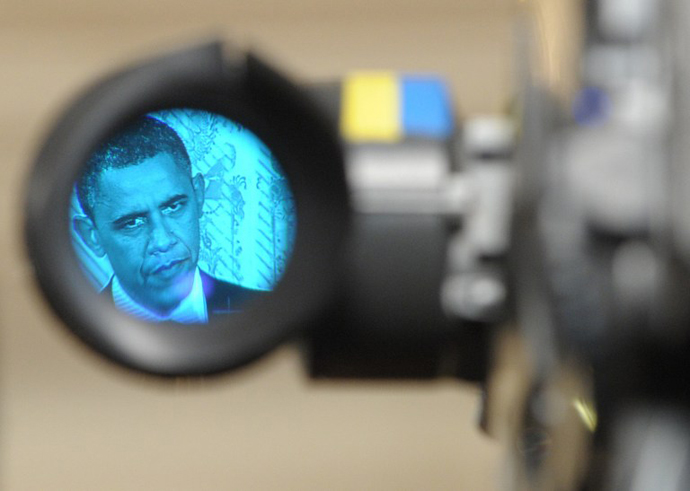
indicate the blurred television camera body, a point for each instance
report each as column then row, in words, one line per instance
column 566, row 271
column 599, row 263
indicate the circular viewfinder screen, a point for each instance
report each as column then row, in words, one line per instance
column 183, row 216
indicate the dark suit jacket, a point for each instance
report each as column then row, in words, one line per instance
column 221, row 297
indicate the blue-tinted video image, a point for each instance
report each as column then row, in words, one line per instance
column 183, row 216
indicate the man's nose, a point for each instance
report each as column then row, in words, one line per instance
column 162, row 237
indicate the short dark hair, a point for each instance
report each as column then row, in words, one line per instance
column 143, row 139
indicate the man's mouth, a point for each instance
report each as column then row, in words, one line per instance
column 168, row 269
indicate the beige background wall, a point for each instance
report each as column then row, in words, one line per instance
column 72, row 422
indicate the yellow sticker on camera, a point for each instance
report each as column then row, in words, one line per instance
column 370, row 107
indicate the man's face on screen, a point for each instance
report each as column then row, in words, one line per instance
column 146, row 220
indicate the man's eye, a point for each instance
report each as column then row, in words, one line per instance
column 131, row 223
column 174, row 206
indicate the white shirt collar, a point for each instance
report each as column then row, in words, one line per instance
column 192, row 308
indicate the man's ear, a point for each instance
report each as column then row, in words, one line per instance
column 88, row 233
column 199, row 190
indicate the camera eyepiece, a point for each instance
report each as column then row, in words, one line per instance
column 185, row 214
